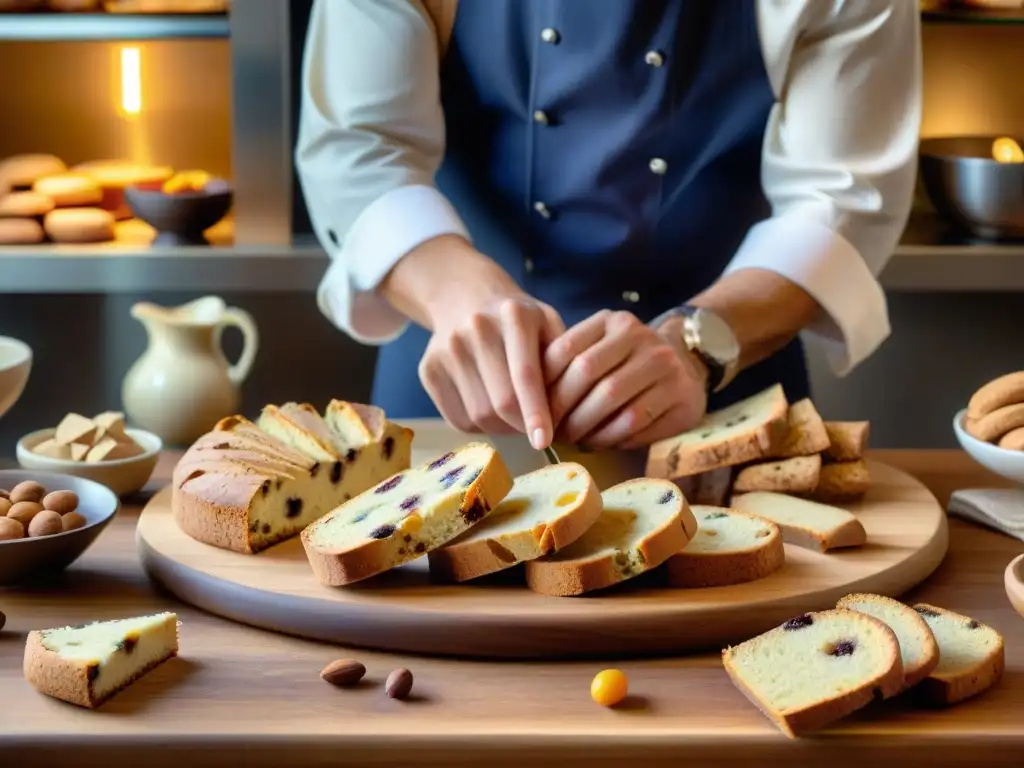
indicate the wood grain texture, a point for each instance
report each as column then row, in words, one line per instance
column 498, row 617
column 240, row 694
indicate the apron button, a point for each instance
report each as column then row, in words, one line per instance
column 542, row 209
column 549, row 35
column 631, row 297
column 540, row 116
column 654, row 58
column 528, row 266
column 658, row 166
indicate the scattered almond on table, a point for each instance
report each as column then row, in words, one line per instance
column 399, row 684
column 28, row 511
column 343, row 672
column 102, row 438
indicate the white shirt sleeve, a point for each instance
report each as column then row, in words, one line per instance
column 371, row 137
column 840, row 159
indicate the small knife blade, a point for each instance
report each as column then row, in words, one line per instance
column 551, row 455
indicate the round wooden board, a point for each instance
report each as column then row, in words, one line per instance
column 498, row 617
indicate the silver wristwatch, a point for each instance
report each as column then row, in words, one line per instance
column 710, row 338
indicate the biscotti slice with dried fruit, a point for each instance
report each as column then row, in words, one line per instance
column 301, row 426
column 545, row 511
column 805, row 431
column 800, row 474
column 848, row 440
column 746, row 431
column 643, row 523
column 816, row 668
column 804, row 523
column 971, row 656
column 407, row 515
column 843, row 481
column 730, row 547
column 918, row 649
column 89, row 663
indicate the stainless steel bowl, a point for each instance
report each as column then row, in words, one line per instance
column 972, row 190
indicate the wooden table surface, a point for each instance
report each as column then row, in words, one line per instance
column 243, row 694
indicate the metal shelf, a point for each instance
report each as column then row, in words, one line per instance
column 973, row 16
column 62, row 27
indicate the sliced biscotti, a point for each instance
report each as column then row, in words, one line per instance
column 711, row 488
column 804, row 523
column 842, row 482
column 848, row 440
column 301, row 426
column 89, row 663
column 918, row 649
column 971, row 656
column 545, row 511
column 746, row 431
column 805, row 431
column 816, row 668
column 800, row 474
column 730, row 547
column 643, row 523
column 407, row 515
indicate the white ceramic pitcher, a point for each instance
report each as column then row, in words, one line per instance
column 183, row 384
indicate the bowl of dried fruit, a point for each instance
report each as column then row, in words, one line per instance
column 47, row 521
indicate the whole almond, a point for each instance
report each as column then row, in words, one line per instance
column 29, row 490
column 46, row 523
column 24, row 511
column 72, row 521
column 61, row 502
column 399, row 684
column 11, row 529
column 5, row 507
column 343, row 672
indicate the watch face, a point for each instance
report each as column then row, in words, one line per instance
column 716, row 337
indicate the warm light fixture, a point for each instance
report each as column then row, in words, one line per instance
column 131, row 80
column 1006, row 150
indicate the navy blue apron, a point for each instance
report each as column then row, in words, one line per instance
column 608, row 156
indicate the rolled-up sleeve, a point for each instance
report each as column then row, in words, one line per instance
column 840, row 163
column 370, row 140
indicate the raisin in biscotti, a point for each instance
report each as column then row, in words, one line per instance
column 730, row 547
column 817, row 668
column 971, row 656
column 240, row 488
column 918, row 649
column 805, row 523
column 89, row 663
column 545, row 511
column 643, row 523
column 407, row 515
column 746, row 431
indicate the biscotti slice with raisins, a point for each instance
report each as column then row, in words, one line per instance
column 89, row 663
column 971, row 657
column 407, row 515
column 806, row 434
column 746, row 431
column 643, row 523
column 918, row 649
column 730, row 547
column 545, row 511
column 804, row 523
column 800, row 474
column 817, row 668
column 240, row 488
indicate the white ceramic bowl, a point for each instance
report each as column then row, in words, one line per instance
column 122, row 476
column 1006, row 463
column 15, row 364
column 24, row 560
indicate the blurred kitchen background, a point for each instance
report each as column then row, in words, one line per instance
column 216, row 91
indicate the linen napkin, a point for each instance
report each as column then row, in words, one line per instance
column 998, row 508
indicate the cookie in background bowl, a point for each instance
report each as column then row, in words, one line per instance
column 32, row 545
column 102, row 449
column 991, row 428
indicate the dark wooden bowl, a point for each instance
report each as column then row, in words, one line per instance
column 180, row 218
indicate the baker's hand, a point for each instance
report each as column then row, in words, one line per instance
column 616, row 383
column 483, row 365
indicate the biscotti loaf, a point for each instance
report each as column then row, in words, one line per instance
column 746, row 431
column 89, row 663
column 545, row 511
column 805, row 523
column 240, row 488
column 816, row 668
column 730, row 547
column 918, row 649
column 407, row 515
column 643, row 523
column 971, row 656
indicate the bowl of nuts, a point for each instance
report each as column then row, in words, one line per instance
column 47, row 521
